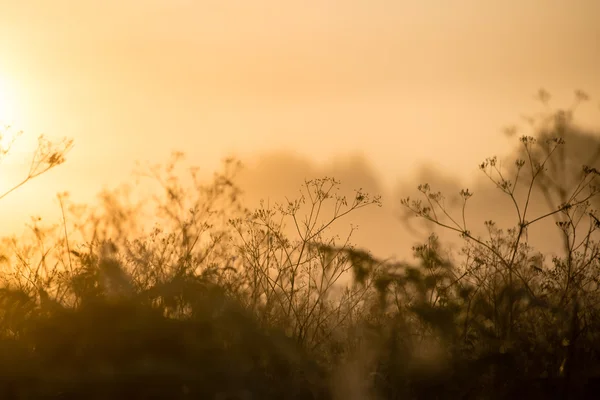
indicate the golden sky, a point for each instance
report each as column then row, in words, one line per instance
column 401, row 82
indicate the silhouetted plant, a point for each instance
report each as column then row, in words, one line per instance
column 290, row 282
column 515, row 300
column 46, row 156
column 195, row 296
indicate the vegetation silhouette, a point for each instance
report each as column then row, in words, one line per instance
column 191, row 295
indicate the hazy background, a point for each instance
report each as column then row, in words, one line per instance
column 368, row 90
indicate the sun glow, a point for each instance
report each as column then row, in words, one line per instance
column 8, row 133
column 7, row 101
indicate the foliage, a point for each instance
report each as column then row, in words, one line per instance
column 191, row 295
column 46, row 156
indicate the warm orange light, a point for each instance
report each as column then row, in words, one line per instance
column 7, row 112
column 8, row 120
